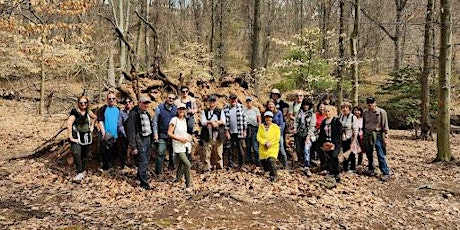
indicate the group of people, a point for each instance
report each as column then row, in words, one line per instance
column 320, row 134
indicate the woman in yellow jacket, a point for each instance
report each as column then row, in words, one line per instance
column 268, row 137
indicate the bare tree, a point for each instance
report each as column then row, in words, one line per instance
column 427, row 69
column 445, row 68
column 255, row 36
column 354, row 51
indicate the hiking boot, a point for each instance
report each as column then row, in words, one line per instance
column 79, row 177
column 370, row 173
column 351, row 171
column 385, row 177
column 145, row 186
column 337, row 178
column 307, row 172
column 272, row 178
column 324, row 173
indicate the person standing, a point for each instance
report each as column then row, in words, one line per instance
column 212, row 122
column 235, row 128
column 80, row 126
column 290, row 132
column 278, row 120
column 358, row 112
column 375, row 126
column 330, row 140
column 254, row 120
column 268, row 136
column 139, row 131
column 349, row 136
column 190, row 103
column 304, row 128
column 108, row 123
column 122, row 123
column 181, row 141
column 163, row 114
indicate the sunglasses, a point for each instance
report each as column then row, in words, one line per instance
column 112, row 98
column 171, row 98
column 184, row 91
column 83, row 102
column 299, row 95
column 127, row 102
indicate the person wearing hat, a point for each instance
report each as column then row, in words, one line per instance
column 139, row 130
column 107, row 117
column 268, row 136
column 375, row 127
column 181, row 141
column 212, row 124
column 235, row 128
column 163, row 114
column 192, row 108
column 254, row 120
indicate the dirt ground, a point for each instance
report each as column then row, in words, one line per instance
column 37, row 193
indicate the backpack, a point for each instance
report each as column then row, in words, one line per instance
column 81, row 129
column 344, row 135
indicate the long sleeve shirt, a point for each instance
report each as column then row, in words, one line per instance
column 376, row 121
column 272, row 135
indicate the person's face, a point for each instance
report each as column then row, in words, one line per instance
column 357, row 112
column 129, row 104
column 274, row 96
column 83, row 104
column 271, row 106
column 111, row 99
column 184, row 92
column 170, row 99
column 233, row 101
column 371, row 106
column 321, row 109
column 212, row 104
column 329, row 113
column 268, row 119
column 181, row 112
column 345, row 110
column 144, row 105
column 300, row 97
column 305, row 107
column 248, row 103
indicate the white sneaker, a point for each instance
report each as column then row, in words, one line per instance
column 308, row 172
column 79, row 177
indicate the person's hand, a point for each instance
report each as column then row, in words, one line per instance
column 227, row 135
column 214, row 124
column 244, row 134
column 74, row 140
column 155, row 137
column 268, row 144
column 307, row 140
column 91, row 128
column 386, row 135
column 184, row 140
column 134, row 151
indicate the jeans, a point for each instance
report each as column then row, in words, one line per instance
column 236, row 144
column 351, row 160
column 282, row 153
column 80, row 156
column 163, row 144
column 307, row 150
column 380, row 148
column 252, row 144
column 184, row 169
column 144, row 159
column 123, row 151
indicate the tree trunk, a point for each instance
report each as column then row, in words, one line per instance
column 255, row 36
column 268, row 33
column 400, row 5
column 221, row 42
column 325, row 14
column 211, row 37
column 341, row 62
column 111, row 70
column 41, row 109
column 445, row 68
column 427, row 70
column 354, row 53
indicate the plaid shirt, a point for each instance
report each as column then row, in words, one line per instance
column 241, row 119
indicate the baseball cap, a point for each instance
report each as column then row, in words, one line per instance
column 212, row 98
column 370, row 100
column 268, row 114
column 275, row 91
column 181, row 106
column 248, row 98
column 145, row 100
column 232, row 96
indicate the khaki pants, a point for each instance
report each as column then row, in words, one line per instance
column 216, row 147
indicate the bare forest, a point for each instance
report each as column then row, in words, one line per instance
column 403, row 53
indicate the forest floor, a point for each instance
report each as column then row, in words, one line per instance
column 35, row 193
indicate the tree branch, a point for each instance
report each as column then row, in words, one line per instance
column 155, row 34
column 380, row 25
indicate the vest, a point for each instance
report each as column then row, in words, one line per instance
column 164, row 117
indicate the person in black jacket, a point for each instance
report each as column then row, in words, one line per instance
column 330, row 140
column 140, row 133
